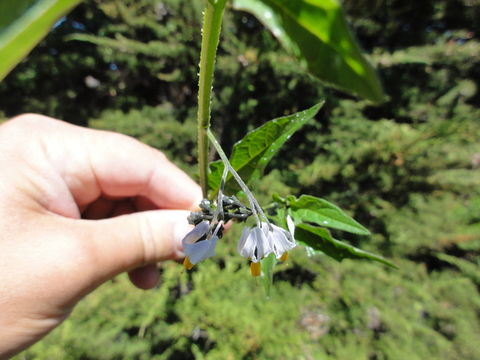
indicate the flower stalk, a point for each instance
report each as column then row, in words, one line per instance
column 255, row 243
column 253, row 202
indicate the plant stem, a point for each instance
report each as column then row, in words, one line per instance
column 212, row 23
column 251, row 199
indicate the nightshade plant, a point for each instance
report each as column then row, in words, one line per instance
column 316, row 33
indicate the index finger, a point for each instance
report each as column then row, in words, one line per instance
column 124, row 166
column 93, row 163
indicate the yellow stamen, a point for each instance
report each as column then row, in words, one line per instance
column 284, row 256
column 187, row 264
column 255, row 268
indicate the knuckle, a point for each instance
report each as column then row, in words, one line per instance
column 161, row 156
column 27, row 120
column 147, row 237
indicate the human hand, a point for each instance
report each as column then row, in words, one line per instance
column 70, row 220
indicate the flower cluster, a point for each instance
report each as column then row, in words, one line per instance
column 255, row 243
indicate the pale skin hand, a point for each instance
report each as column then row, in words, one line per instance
column 70, row 220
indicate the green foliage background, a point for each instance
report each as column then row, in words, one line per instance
column 409, row 170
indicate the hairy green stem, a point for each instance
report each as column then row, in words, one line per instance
column 212, row 23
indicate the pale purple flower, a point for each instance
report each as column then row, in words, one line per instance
column 195, row 249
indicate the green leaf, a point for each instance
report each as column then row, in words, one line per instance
column 321, row 212
column 278, row 199
column 251, row 155
column 280, row 217
column 268, row 264
column 320, row 239
column 23, row 23
column 317, row 33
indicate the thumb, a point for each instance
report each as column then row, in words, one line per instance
column 126, row 242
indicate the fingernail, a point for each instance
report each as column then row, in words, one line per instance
column 181, row 228
column 198, row 200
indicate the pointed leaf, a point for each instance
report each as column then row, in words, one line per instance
column 309, row 208
column 320, row 239
column 252, row 154
column 317, row 33
column 23, row 23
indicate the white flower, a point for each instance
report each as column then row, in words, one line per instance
column 260, row 241
column 197, row 250
column 282, row 241
column 254, row 243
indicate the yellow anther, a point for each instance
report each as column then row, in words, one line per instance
column 255, row 268
column 187, row 264
column 284, row 256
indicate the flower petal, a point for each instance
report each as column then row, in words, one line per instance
column 263, row 245
column 198, row 231
column 291, row 226
column 200, row 250
column 247, row 244
column 243, row 239
column 282, row 241
column 255, row 243
column 288, row 235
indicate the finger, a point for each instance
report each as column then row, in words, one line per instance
column 122, row 166
column 228, row 225
column 109, row 164
column 145, row 277
column 130, row 241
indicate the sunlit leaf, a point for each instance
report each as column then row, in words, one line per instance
column 320, row 239
column 319, row 211
column 317, row 33
column 252, row 154
column 23, row 23
column 279, row 218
